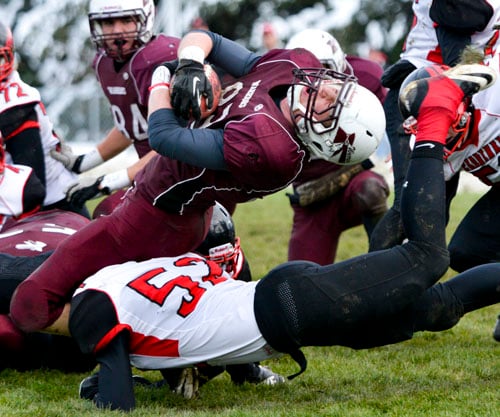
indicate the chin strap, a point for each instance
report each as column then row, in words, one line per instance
column 298, row 357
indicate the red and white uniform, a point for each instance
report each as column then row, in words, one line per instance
column 11, row 200
column 15, row 92
column 481, row 156
column 181, row 311
column 421, row 45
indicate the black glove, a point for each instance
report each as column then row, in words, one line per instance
column 394, row 75
column 87, row 189
column 189, row 84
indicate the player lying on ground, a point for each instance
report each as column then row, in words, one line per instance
column 46, row 350
column 185, row 310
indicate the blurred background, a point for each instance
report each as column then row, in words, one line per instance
column 54, row 51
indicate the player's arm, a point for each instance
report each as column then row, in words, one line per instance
column 169, row 136
column 116, row 388
column 191, row 82
column 456, row 22
column 114, row 143
column 20, row 129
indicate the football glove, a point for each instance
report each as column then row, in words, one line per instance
column 160, row 78
column 188, row 86
column 87, row 189
column 90, row 187
column 76, row 163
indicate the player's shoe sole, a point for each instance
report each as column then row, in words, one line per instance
column 472, row 78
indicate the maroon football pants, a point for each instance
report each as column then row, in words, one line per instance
column 136, row 230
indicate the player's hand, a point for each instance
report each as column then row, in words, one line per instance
column 160, row 78
column 188, row 383
column 188, row 86
column 86, row 189
column 64, row 154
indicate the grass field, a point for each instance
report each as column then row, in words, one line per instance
column 452, row 373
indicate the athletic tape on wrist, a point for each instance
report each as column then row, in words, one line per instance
column 192, row 52
column 116, row 180
column 91, row 160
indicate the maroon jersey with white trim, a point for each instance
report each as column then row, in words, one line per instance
column 260, row 147
column 40, row 232
column 127, row 87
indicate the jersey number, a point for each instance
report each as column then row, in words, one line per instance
column 158, row 295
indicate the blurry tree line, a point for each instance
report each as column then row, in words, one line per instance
column 55, row 53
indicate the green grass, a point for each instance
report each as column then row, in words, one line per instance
column 452, row 373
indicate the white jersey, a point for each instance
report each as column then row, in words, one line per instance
column 12, row 184
column 182, row 311
column 15, row 92
column 421, row 45
column 481, row 156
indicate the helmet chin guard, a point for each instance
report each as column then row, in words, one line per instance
column 345, row 132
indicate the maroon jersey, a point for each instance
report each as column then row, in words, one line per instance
column 126, row 87
column 40, row 232
column 260, row 148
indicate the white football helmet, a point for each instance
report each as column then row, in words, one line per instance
column 143, row 11
column 346, row 132
column 324, row 46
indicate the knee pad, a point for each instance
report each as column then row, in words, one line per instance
column 371, row 199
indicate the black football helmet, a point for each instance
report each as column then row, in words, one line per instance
column 6, row 52
column 221, row 245
column 459, row 129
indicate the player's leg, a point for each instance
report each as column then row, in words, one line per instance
column 389, row 230
column 323, row 305
column 476, row 239
column 315, row 231
column 442, row 305
column 367, row 193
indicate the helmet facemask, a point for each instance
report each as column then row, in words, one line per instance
column 318, row 129
column 228, row 256
column 140, row 35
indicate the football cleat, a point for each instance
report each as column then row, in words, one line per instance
column 254, row 374
column 472, row 78
column 89, row 387
column 268, row 377
column 496, row 331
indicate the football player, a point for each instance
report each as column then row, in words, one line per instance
column 438, row 36
column 127, row 53
column 254, row 144
column 28, row 132
column 329, row 198
column 179, row 311
column 221, row 246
